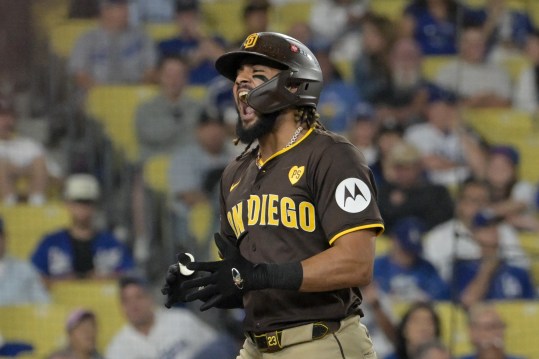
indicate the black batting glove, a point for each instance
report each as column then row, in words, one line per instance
column 173, row 281
column 228, row 280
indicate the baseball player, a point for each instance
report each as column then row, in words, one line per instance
column 298, row 215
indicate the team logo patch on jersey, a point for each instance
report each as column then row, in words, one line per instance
column 295, row 174
column 353, row 195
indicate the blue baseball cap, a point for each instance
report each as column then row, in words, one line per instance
column 409, row 233
column 484, row 219
column 364, row 112
column 508, row 151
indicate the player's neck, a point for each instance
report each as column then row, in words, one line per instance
column 281, row 136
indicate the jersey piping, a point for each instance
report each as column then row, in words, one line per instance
column 350, row 230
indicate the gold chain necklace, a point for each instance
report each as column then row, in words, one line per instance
column 290, row 143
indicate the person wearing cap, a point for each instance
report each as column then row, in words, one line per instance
column 403, row 273
column 193, row 177
column 81, row 250
column 113, row 52
column 512, row 198
column 338, row 98
column 152, row 332
column 408, row 193
column 363, row 130
column 453, row 239
column 256, row 18
column 450, row 151
column 20, row 157
column 81, row 329
column 198, row 48
column 489, row 277
column 20, row 283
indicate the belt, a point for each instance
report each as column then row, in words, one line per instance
column 279, row 339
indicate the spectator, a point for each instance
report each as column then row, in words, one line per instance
column 387, row 136
column 362, row 132
column 194, row 175
column 526, row 94
column 453, row 239
column 19, row 281
column 419, row 325
column 506, row 30
column 81, row 250
column 489, row 277
column 435, row 24
column 380, row 320
column 512, row 199
column 338, row 98
column 167, row 121
column 151, row 11
column 338, row 22
column 477, row 83
column 152, row 333
column 255, row 19
column 81, row 329
column 450, row 152
column 114, row 52
column 407, row 91
column 371, row 69
column 20, row 158
column 219, row 96
column 403, row 273
column 407, row 193
column 486, row 331
column 433, row 350
column 199, row 50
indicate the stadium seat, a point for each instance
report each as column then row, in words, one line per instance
column 284, row 15
column 63, row 36
column 392, row 9
column 100, row 296
column 114, row 107
column 432, row 64
column 229, row 26
column 522, row 320
column 346, row 69
column 155, row 173
column 498, row 125
column 42, row 326
column 514, row 65
column 26, row 225
column 161, row 31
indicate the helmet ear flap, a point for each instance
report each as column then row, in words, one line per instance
column 273, row 95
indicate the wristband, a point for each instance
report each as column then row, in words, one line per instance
column 278, row 276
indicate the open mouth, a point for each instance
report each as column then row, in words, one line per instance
column 247, row 113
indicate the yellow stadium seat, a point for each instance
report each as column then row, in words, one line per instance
column 514, row 66
column 26, row 225
column 383, row 243
column 114, row 107
column 284, row 15
column 161, row 31
column 522, row 319
column 224, row 18
column 64, row 36
column 432, row 64
column 529, row 148
column 42, row 326
column 391, row 9
column 100, row 296
column 201, row 219
column 346, row 69
column 155, row 173
column 498, row 125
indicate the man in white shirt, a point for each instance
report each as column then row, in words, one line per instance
column 478, row 83
column 453, row 239
column 153, row 334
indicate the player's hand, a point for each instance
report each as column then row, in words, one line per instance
column 173, row 281
column 228, row 278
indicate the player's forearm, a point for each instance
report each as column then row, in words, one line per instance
column 341, row 266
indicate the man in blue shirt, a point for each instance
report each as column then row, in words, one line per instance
column 403, row 273
column 490, row 277
column 81, row 251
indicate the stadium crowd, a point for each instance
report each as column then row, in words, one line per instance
column 127, row 133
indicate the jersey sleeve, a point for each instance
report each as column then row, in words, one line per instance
column 345, row 192
column 40, row 258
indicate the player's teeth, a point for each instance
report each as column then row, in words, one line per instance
column 243, row 95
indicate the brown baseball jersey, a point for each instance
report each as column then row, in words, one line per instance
column 295, row 206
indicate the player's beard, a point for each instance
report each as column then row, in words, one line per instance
column 263, row 125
